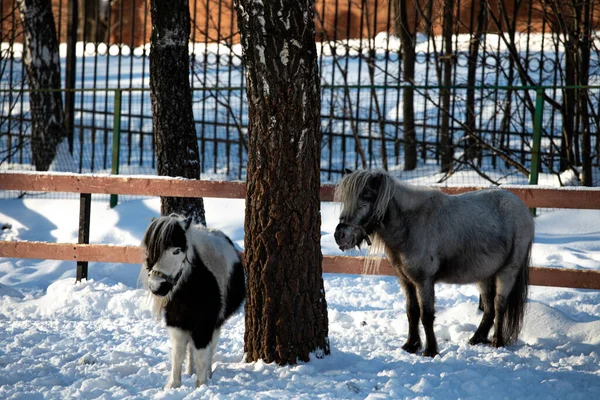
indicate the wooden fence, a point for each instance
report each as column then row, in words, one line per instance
column 533, row 196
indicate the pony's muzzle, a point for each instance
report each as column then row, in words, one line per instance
column 159, row 287
column 347, row 237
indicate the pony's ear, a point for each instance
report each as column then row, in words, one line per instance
column 347, row 171
column 375, row 181
column 186, row 223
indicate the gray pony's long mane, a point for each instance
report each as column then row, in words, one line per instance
column 348, row 193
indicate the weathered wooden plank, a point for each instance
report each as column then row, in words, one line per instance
column 538, row 276
column 566, row 278
column 121, row 184
column 533, row 196
column 72, row 251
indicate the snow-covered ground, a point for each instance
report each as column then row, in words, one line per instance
column 96, row 339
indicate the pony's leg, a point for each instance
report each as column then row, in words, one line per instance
column 189, row 370
column 426, row 297
column 202, row 339
column 202, row 361
column 487, row 291
column 505, row 281
column 413, row 342
column 213, row 349
column 179, row 341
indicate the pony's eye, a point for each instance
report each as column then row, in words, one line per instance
column 176, row 251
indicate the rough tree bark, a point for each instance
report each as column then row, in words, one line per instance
column 43, row 72
column 286, row 311
column 172, row 118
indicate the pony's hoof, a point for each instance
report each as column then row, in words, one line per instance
column 497, row 342
column 430, row 353
column 412, row 347
column 172, row 384
column 201, row 382
column 478, row 340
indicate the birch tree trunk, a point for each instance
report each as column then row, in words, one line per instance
column 42, row 63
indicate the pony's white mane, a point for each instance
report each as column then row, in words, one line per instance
column 159, row 303
column 374, row 255
column 348, row 191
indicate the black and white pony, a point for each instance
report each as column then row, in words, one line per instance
column 428, row 237
column 196, row 279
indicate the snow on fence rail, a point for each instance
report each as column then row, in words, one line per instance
column 533, row 196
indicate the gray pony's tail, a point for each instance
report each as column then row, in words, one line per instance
column 515, row 308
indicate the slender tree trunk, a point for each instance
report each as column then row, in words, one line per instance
column 172, row 118
column 584, row 65
column 43, row 72
column 567, row 155
column 427, row 16
column 472, row 151
column 408, row 41
column 448, row 61
column 286, row 311
column 371, row 59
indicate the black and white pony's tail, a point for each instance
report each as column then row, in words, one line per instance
column 515, row 307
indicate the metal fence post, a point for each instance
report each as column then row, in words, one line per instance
column 537, row 139
column 85, row 212
column 116, row 142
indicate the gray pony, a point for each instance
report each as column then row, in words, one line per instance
column 428, row 237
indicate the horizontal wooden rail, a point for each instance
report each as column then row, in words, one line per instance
column 532, row 196
column 539, row 276
column 120, row 184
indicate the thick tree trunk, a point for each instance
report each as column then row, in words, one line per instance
column 43, row 72
column 172, row 118
column 286, row 311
